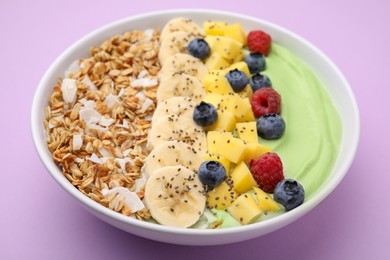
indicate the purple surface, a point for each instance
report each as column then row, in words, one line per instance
column 40, row 221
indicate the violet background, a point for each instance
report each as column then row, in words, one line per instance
column 39, row 220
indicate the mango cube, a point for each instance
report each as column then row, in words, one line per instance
column 212, row 76
column 242, row 178
column 247, row 92
column 245, row 209
column 220, row 86
column 226, row 121
column 212, row 98
column 240, row 66
column 235, row 104
column 247, row 132
column 214, row 28
column 221, row 196
column 249, row 116
column 254, row 151
column 219, row 158
column 236, row 32
column 226, row 47
column 265, row 201
column 223, row 143
column 216, row 62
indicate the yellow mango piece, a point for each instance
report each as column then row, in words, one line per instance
column 245, row 209
column 216, row 28
column 223, row 143
column 221, row 196
column 219, row 158
column 247, row 92
column 216, row 62
column 242, row 178
column 266, row 202
column 236, row 32
column 226, row 121
column 235, row 104
column 220, row 86
column 226, row 47
column 212, row 98
column 212, row 76
column 254, row 151
column 240, row 66
column 247, row 132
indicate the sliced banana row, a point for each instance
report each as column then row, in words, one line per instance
column 173, row 192
column 175, row 196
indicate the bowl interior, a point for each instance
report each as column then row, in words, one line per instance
column 325, row 70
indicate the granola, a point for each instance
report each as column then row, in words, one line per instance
column 98, row 118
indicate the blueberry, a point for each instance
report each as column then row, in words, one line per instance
column 289, row 193
column 199, row 48
column 237, row 79
column 205, row 114
column 255, row 61
column 270, row 126
column 211, row 173
column 258, row 81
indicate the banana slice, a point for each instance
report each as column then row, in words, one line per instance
column 173, row 43
column 175, row 196
column 177, row 128
column 181, row 24
column 183, row 63
column 172, row 153
column 180, row 84
column 179, row 106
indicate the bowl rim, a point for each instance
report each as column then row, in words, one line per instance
column 278, row 221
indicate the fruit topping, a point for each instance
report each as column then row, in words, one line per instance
column 267, row 170
column 265, row 101
column 199, row 48
column 205, row 114
column 270, row 126
column 289, row 193
column 258, row 81
column 259, row 41
column 255, row 61
column 237, row 79
column 211, row 173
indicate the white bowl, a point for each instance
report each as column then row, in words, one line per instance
column 337, row 86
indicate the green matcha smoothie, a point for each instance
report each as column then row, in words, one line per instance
column 310, row 144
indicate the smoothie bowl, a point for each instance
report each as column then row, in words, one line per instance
column 195, row 127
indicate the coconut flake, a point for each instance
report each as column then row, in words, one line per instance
column 86, row 80
column 105, row 152
column 124, row 124
column 142, row 74
column 106, row 121
column 121, row 92
column 88, row 104
column 122, row 162
column 111, row 100
column 148, row 102
column 75, row 66
column 126, row 152
column 77, row 141
column 140, row 182
column 144, row 82
column 149, row 117
column 79, row 160
column 95, row 159
column 90, row 116
column 148, row 34
column 130, row 198
column 69, row 89
column 51, row 126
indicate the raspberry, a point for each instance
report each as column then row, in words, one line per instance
column 265, row 101
column 259, row 41
column 267, row 170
